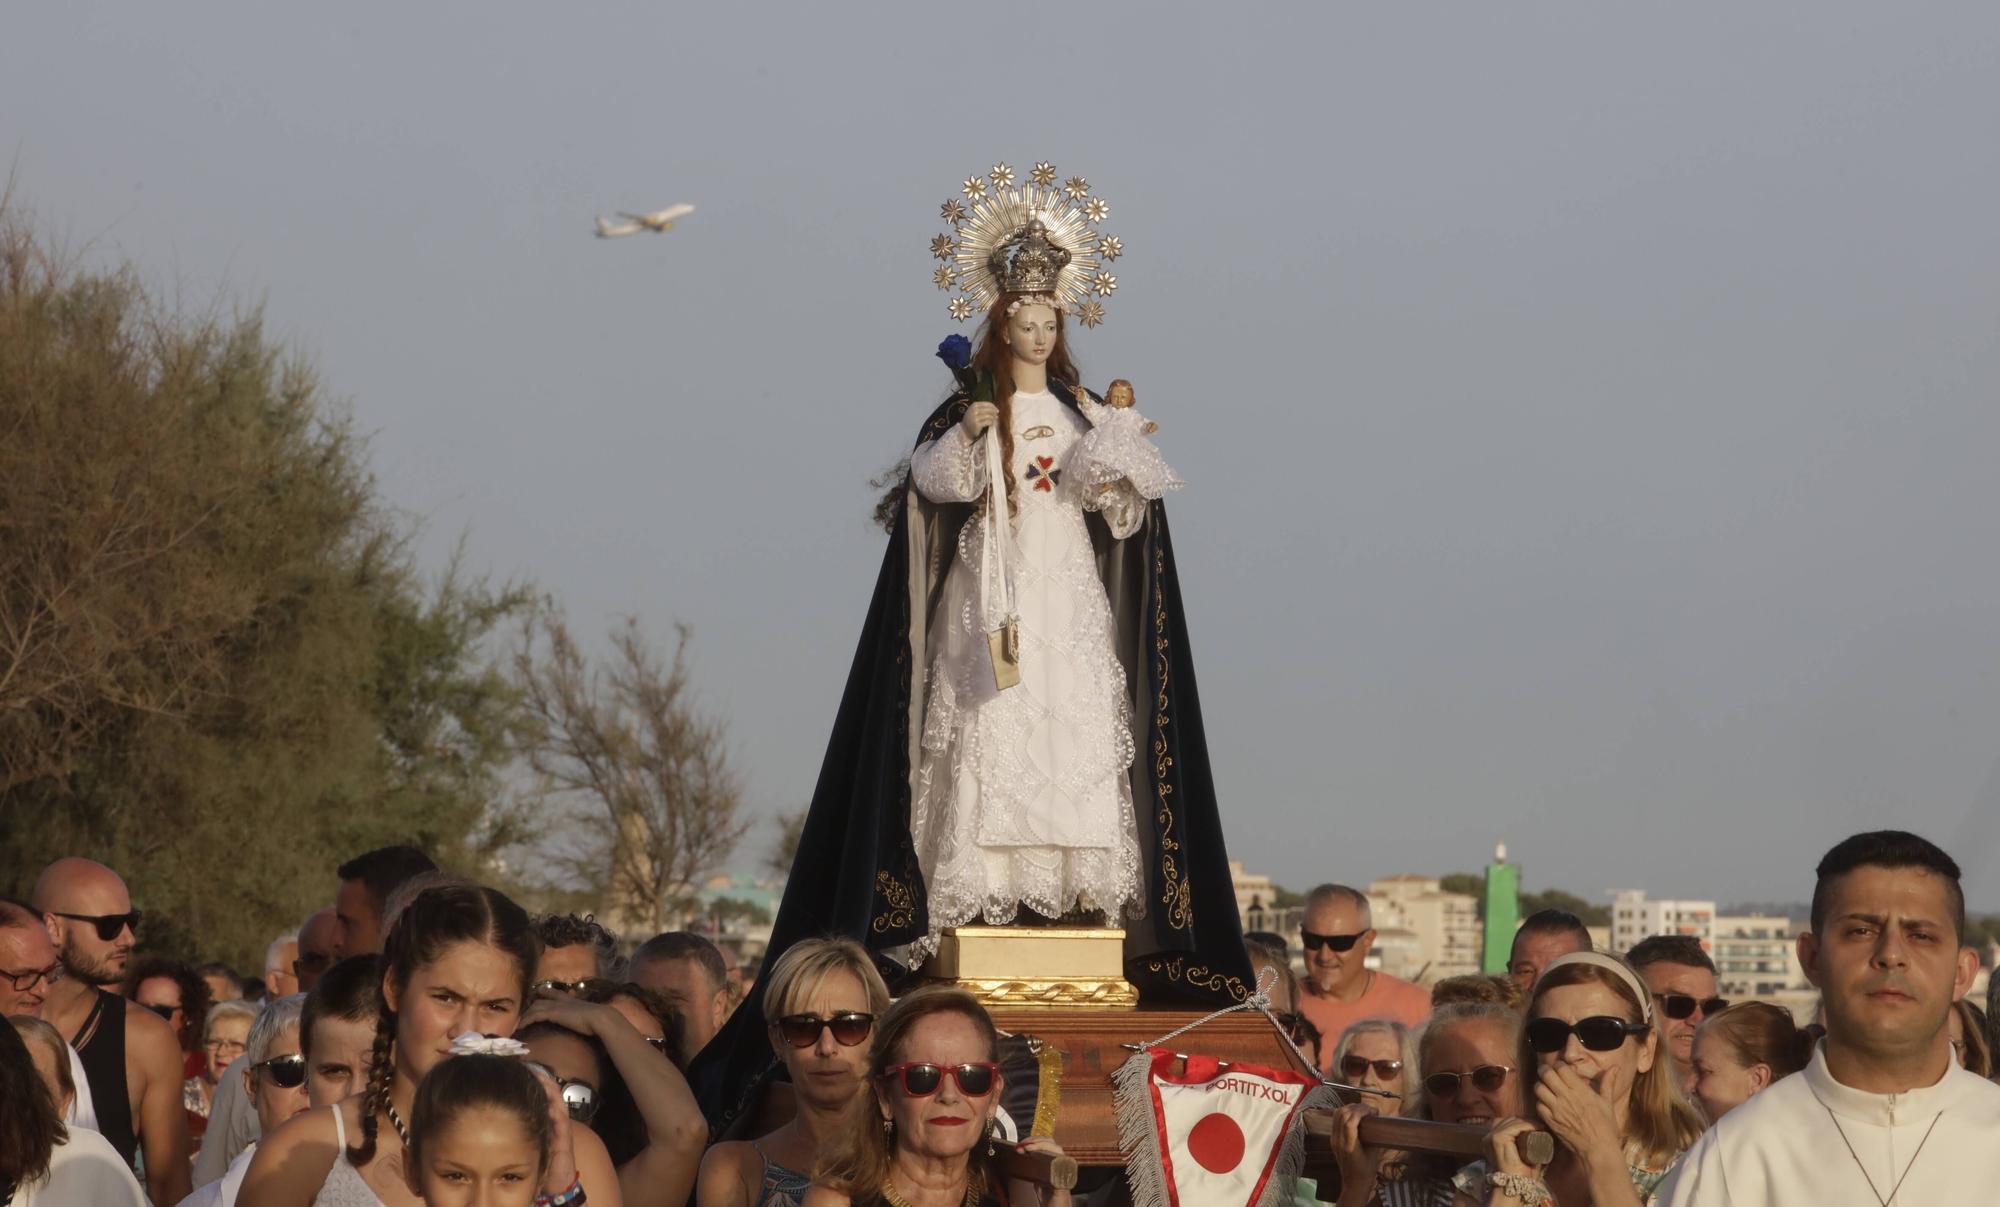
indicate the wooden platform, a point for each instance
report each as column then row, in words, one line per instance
column 1089, row 1039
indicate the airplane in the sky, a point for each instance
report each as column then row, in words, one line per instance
column 662, row 221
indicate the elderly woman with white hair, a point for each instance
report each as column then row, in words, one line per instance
column 274, row 1077
column 224, row 1033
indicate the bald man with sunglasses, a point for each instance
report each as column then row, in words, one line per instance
column 1339, row 988
column 131, row 1058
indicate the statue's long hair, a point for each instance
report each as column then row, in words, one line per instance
column 990, row 352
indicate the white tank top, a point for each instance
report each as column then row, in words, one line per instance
column 343, row 1186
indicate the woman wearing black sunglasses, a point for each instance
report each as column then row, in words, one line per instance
column 1596, row 1077
column 1467, row 1057
column 924, row 1136
column 820, row 1005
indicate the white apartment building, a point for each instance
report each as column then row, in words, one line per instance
column 1757, row 957
column 1633, row 918
column 1422, row 932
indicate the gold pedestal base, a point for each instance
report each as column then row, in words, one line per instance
column 1035, row 966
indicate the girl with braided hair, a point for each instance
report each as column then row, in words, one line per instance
column 459, row 958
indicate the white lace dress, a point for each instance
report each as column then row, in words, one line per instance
column 1021, row 795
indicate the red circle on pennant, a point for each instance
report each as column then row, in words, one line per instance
column 1216, row 1143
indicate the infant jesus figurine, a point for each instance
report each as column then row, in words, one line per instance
column 1119, row 395
column 1115, row 452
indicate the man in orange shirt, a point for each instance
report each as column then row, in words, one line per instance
column 1340, row 988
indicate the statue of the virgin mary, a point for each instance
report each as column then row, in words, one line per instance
column 1020, row 738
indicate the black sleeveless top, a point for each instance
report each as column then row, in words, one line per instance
column 100, row 1045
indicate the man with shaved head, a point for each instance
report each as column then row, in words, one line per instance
column 131, row 1059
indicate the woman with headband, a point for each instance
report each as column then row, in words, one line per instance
column 1595, row 1076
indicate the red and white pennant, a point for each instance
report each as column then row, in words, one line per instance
column 1214, row 1134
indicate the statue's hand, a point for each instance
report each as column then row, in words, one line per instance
column 978, row 417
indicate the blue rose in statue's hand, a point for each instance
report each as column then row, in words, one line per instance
column 955, row 352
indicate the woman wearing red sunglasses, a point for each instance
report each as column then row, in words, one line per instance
column 924, row 1138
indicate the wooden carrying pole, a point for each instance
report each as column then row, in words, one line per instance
column 1410, row 1135
column 1042, row 1169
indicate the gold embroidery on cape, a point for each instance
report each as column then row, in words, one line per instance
column 901, row 899
column 1201, row 976
column 1180, row 910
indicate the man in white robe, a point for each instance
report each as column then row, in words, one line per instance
column 1883, row 1114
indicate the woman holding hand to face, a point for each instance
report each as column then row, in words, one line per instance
column 1596, row 1078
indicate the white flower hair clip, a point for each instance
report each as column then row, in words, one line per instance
column 472, row 1043
column 1036, row 299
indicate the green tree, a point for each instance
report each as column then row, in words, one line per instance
column 220, row 671
column 639, row 774
column 726, row 910
column 1555, row 898
column 785, row 847
column 1472, row 884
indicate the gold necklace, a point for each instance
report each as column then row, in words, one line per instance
column 894, row 1199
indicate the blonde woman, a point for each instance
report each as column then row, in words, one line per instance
column 819, row 1011
column 1596, row 1076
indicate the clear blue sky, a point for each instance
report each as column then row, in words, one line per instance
column 1589, row 411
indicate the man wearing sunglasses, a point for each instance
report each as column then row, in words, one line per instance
column 274, row 1074
column 689, row 972
column 1337, row 933
column 1883, row 1113
column 280, row 961
column 319, row 942
column 575, row 951
column 1681, row 978
column 131, row 1057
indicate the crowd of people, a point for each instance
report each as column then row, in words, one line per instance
column 425, row 1040
column 1656, row 1088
